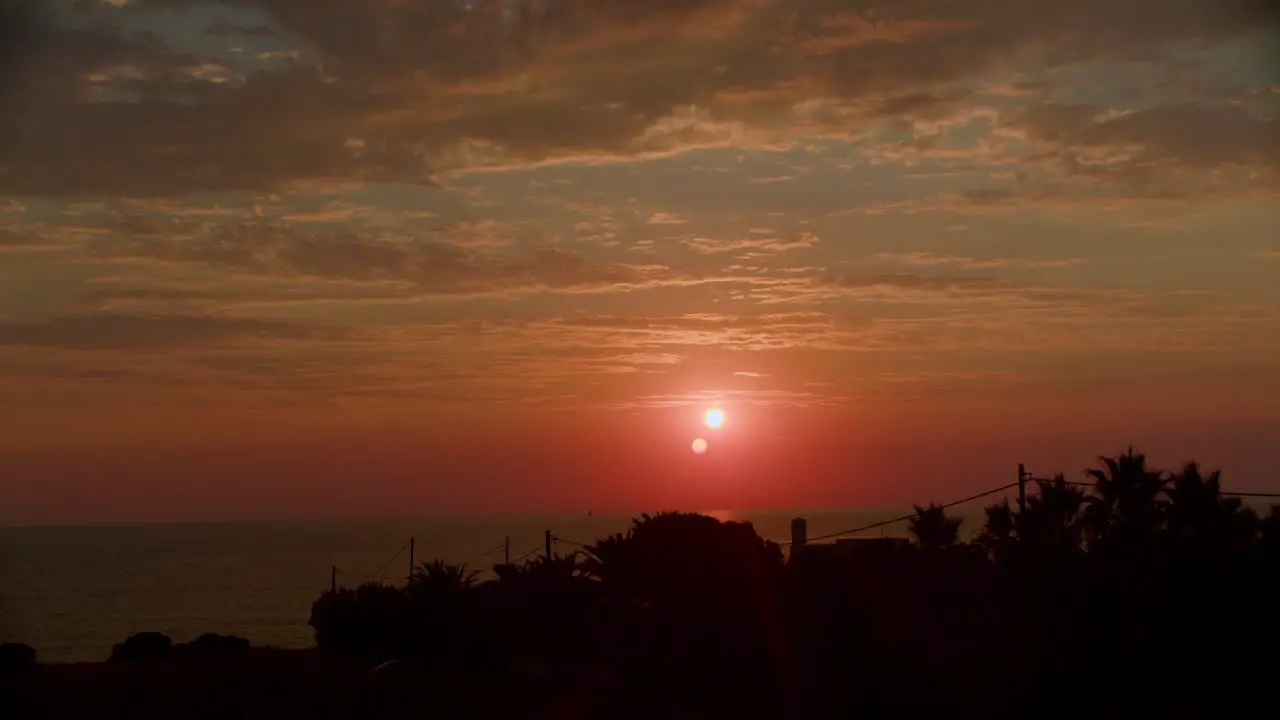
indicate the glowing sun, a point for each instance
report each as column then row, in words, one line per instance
column 699, row 446
column 714, row 418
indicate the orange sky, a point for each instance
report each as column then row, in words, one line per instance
column 404, row 258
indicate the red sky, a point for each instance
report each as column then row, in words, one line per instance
column 441, row 257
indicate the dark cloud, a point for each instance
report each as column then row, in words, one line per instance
column 927, row 283
column 127, row 332
column 174, row 299
column 916, row 104
column 16, row 241
column 224, row 28
column 1197, row 135
column 289, row 252
column 425, row 87
column 1145, row 146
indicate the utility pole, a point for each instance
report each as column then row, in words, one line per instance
column 506, row 551
column 1022, row 488
column 548, row 544
column 333, row 579
column 411, row 542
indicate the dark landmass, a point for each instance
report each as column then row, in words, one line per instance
column 276, row 684
column 1145, row 593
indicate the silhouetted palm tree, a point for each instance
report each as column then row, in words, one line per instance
column 1269, row 530
column 997, row 537
column 436, row 577
column 1199, row 515
column 1053, row 520
column 1126, row 509
column 605, row 558
column 545, row 605
column 932, row 529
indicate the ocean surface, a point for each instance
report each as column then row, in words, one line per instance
column 73, row 592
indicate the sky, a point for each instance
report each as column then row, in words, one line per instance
column 316, row 258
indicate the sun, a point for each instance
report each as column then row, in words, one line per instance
column 714, row 418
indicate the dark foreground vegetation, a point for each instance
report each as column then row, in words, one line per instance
column 1146, row 593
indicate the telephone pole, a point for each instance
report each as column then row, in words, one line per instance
column 333, row 579
column 548, row 544
column 411, row 542
column 506, row 551
column 1022, row 488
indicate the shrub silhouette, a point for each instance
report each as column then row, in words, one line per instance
column 932, row 529
column 16, row 658
column 142, row 647
column 214, row 644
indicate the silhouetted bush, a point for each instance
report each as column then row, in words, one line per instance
column 142, row 647
column 16, row 658
column 214, row 644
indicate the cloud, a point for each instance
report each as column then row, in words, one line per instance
column 284, row 251
column 222, row 28
column 403, row 92
column 17, row 241
column 928, row 259
column 146, row 294
column 662, row 218
column 755, row 246
column 1141, row 145
column 126, row 332
column 909, row 281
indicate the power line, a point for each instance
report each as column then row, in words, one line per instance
column 557, row 538
column 1250, row 494
column 526, row 555
column 1079, row 483
column 486, row 553
column 387, row 564
column 883, row 523
column 873, row 526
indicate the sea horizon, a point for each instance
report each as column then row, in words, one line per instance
column 73, row 591
column 497, row 515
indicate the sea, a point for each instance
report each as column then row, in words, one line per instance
column 73, row 592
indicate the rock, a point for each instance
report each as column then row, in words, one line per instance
column 142, row 647
column 16, row 658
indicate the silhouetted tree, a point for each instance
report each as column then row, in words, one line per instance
column 997, row 537
column 1269, row 530
column 1053, row 521
column 1200, row 517
column 1126, row 509
column 16, row 658
column 367, row 621
column 142, row 647
column 436, row 577
column 547, row 606
column 695, row 601
column 932, row 529
column 606, row 557
column 673, row 556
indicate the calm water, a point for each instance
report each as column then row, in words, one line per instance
column 72, row 592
